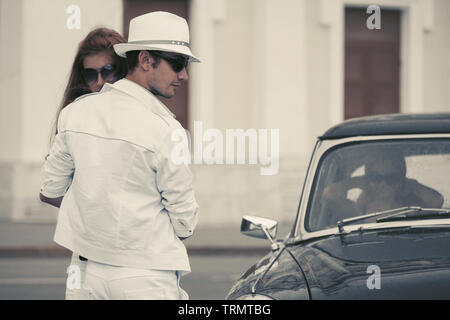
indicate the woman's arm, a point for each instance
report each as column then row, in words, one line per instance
column 57, row 172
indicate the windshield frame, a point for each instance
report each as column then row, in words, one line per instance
column 323, row 147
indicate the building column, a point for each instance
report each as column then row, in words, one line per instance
column 203, row 15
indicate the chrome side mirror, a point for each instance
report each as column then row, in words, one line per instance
column 259, row 227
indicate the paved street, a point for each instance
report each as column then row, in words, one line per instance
column 32, row 266
column 44, row 278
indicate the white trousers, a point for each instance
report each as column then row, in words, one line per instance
column 106, row 282
column 76, row 273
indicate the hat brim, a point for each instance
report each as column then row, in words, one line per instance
column 122, row 48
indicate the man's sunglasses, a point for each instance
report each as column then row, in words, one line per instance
column 91, row 75
column 177, row 63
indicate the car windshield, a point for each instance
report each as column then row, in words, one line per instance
column 366, row 177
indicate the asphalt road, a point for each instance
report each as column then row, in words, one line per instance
column 44, row 278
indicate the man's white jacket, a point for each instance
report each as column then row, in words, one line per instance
column 126, row 201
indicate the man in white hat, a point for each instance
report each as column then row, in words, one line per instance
column 126, row 205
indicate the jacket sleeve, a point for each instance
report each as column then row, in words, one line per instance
column 58, row 169
column 174, row 181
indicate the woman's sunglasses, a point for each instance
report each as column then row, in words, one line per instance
column 177, row 63
column 91, row 75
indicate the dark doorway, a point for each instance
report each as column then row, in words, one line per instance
column 372, row 64
column 132, row 8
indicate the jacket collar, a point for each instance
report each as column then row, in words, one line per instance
column 140, row 93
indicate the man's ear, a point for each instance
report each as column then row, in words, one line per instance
column 145, row 60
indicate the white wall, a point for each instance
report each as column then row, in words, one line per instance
column 256, row 54
column 437, row 60
column 11, row 53
column 318, row 71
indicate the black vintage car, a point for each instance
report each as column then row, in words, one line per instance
column 373, row 220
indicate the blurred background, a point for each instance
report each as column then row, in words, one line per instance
column 299, row 66
column 296, row 65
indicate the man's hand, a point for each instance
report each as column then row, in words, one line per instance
column 55, row 202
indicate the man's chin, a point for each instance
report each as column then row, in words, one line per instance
column 168, row 96
column 164, row 95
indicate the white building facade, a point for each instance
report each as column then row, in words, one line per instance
column 265, row 65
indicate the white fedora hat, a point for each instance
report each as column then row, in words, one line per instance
column 158, row 30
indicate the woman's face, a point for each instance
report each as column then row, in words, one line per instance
column 98, row 69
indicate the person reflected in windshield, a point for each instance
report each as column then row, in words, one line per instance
column 383, row 186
